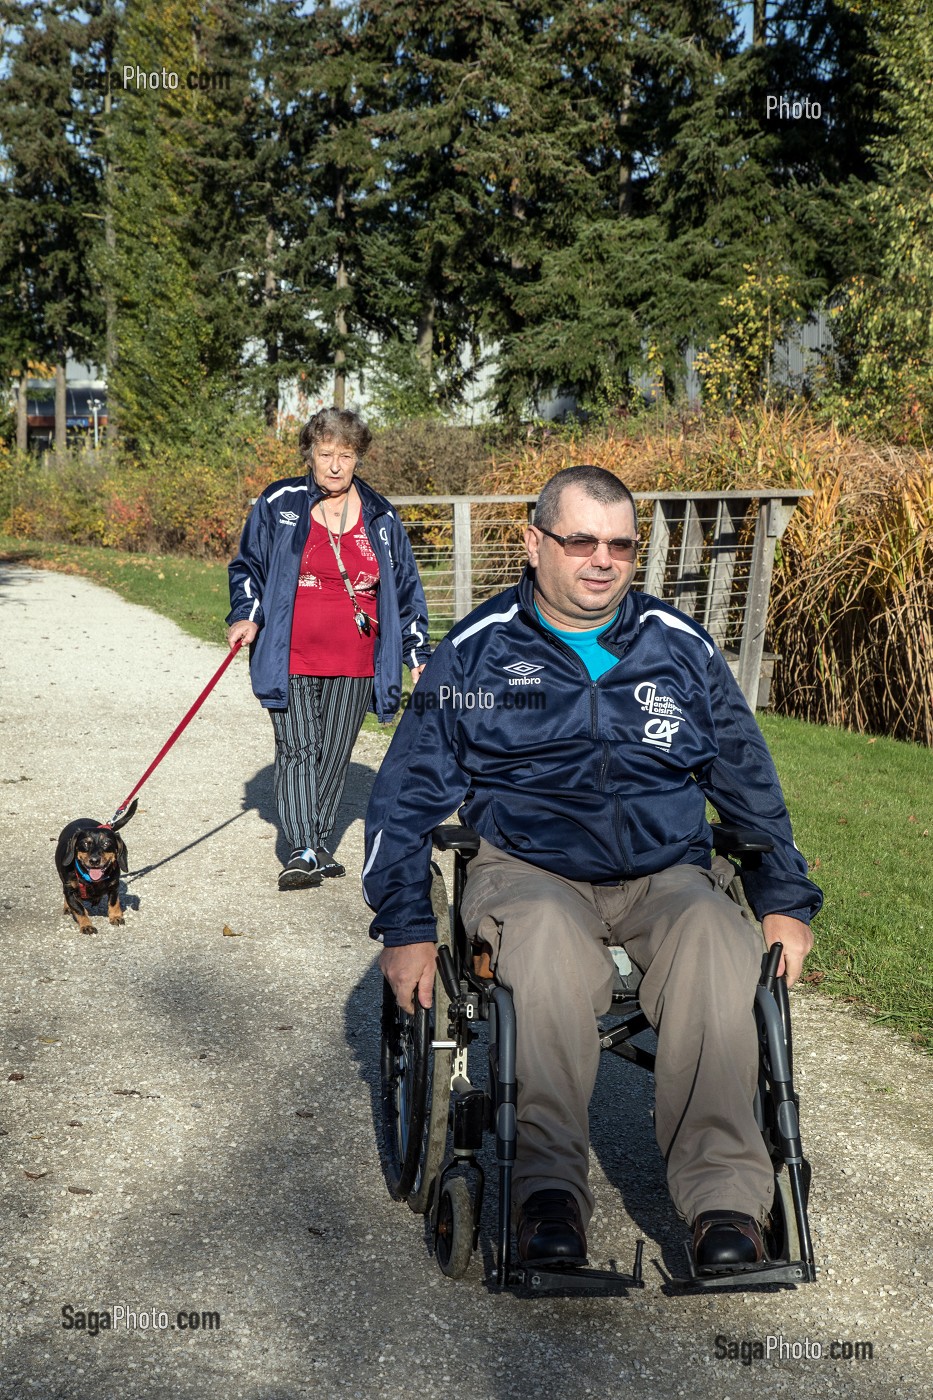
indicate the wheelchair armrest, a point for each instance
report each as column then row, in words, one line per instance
column 739, row 840
column 456, row 838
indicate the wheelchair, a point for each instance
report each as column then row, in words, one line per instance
column 434, row 1117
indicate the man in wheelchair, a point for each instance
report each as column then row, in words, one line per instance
column 580, row 727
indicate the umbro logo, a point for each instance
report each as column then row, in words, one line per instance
column 288, row 517
column 523, row 673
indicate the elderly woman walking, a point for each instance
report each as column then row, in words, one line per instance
column 326, row 591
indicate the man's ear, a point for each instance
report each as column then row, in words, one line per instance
column 532, row 541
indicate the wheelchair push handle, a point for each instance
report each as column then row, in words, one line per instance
column 769, row 971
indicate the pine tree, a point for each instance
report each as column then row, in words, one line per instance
column 884, row 329
column 47, row 196
column 169, row 382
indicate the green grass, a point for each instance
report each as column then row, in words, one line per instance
column 862, row 808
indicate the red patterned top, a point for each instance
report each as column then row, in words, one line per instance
column 325, row 638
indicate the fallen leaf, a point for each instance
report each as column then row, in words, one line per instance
column 815, row 864
column 912, row 819
column 304, row 1112
column 128, row 1093
column 74, row 1123
column 80, row 1190
column 34, row 1176
column 814, row 978
column 228, row 932
column 16, row 1077
column 843, row 821
column 44, row 1040
column 321, row 1234
column 285, row 1028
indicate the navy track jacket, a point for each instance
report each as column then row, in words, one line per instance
column 594, row 780
column 264, row 577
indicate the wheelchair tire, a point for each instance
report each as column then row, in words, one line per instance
column 415, row 1089
column 454, row 1228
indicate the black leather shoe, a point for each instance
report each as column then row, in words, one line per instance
column 724, row 1240
column 300, row 873
column 327, row 864
column 550, row 1230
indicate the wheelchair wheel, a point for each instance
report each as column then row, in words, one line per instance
column 416, row 1081
column 454, row 1228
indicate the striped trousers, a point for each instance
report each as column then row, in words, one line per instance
column 314, row 739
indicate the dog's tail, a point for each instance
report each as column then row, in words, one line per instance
column 122, row 815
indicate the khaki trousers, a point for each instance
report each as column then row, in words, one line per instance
column 701, row 959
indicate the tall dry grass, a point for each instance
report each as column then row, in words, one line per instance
column 852, row 595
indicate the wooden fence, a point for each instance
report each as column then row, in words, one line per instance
column 709, row 553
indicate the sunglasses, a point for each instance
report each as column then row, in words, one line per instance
column 582, row 546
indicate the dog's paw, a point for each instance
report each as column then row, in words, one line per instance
column 117, row 920
column 87, row 928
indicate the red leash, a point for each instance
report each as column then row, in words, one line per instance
column 179, row 729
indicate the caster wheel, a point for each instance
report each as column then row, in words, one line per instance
column 454, row 1228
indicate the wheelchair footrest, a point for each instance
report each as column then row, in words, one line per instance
column 570, row 1281
column 541, row 1278
column 749, row 1275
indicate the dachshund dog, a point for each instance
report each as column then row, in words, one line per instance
column 89, row 858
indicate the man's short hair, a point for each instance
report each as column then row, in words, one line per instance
column 596, row 482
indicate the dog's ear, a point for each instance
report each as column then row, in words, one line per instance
column 121, row 852
column 69, row 852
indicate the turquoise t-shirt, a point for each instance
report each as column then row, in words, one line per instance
column 595, row 658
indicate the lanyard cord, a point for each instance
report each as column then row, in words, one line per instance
column 358, row 612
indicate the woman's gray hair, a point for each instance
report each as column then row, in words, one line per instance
column 338, row 425
column 596, row 482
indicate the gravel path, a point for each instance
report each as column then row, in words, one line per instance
column 186, row 1118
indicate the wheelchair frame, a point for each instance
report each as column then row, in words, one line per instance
column 427, row 1099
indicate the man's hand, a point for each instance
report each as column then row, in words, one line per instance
column 244, row 631
column 410, row 969
column 797, row 940
column 416, row 673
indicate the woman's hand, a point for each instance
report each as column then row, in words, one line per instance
column 416, row 674
column 242, row 631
